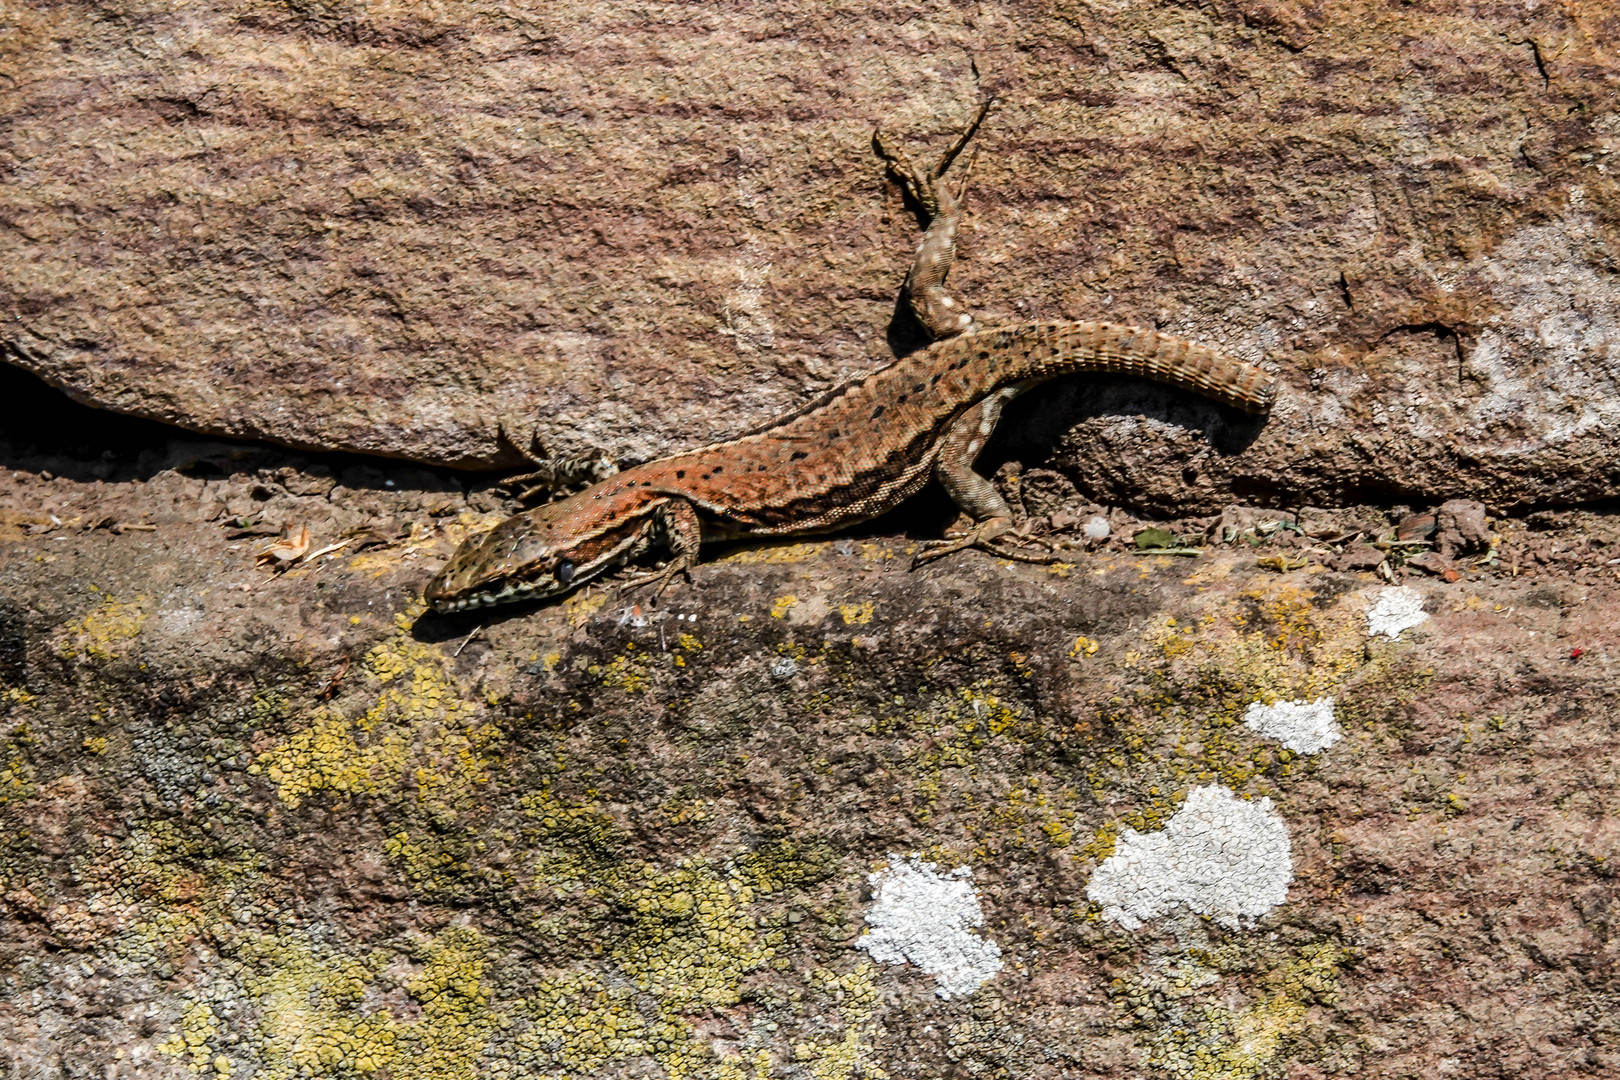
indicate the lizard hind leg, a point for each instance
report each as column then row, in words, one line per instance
column 975, row 494
column 941, row 212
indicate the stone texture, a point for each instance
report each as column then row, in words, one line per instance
column 268, row 825
column 261, row 825
column 406, row 229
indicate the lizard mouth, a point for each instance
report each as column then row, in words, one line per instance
column 509, row 593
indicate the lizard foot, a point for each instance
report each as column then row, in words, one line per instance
column 661, row 577
column 923, row 184
column 552, row 475
column 986, row 536
column 1002, row 551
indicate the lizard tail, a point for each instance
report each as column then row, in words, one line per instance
column 1046, row 350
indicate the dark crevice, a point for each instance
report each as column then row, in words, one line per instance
column 1439, row 330
column 1541, row 63
column 42, row 429
column 1530, row 162
column 1344, row 291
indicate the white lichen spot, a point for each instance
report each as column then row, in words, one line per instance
column 1305, row 727
column 1397, row 608
column 1218, row 855
column 927, row 918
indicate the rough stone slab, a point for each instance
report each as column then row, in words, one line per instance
column 252, row 822
column 403, row 230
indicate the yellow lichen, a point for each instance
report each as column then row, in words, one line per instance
column 1200, row 672
column 310, row 1020
column 418, row 718
column 327, row 757
column 788, row 552
column 853, row 1054
column 581, row 606
column 856, row 614
column 105, row 632
column 17, row 775
column 1185, row 1003
column 628, row 672
column 191, row 1041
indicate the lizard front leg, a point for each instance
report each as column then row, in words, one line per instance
column 958, row 449
column 941, row 212
column 676, row 526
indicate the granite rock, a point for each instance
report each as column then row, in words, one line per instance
column 435, row 232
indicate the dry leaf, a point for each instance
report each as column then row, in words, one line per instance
column 286, row 551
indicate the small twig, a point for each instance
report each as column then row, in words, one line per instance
column 327, row 550
column 468, row 640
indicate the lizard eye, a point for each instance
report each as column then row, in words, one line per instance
column 565, row 571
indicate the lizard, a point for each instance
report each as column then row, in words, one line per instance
column 853, row 453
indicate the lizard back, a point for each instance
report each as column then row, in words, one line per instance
column 864, row 447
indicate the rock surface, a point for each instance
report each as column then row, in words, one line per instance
column 271, row 823
column 430, row 231
column 270, row 826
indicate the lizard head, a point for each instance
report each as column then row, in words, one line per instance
column 544, row 552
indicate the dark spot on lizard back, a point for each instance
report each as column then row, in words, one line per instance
column 877, row 412
column 901, row 400
column 680, row 474
column 798, row 455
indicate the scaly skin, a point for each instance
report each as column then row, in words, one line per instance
column 857, row 452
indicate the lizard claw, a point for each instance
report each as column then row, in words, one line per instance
column 1001, row 551
column 938, row 549
column 661, row 577
column 556, row 475
column 986, row 536
column 932, row 550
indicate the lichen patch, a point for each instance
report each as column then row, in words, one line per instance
column 1397, row 609
column 928, row 918
column 1305, row 727
column 1218, row 855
